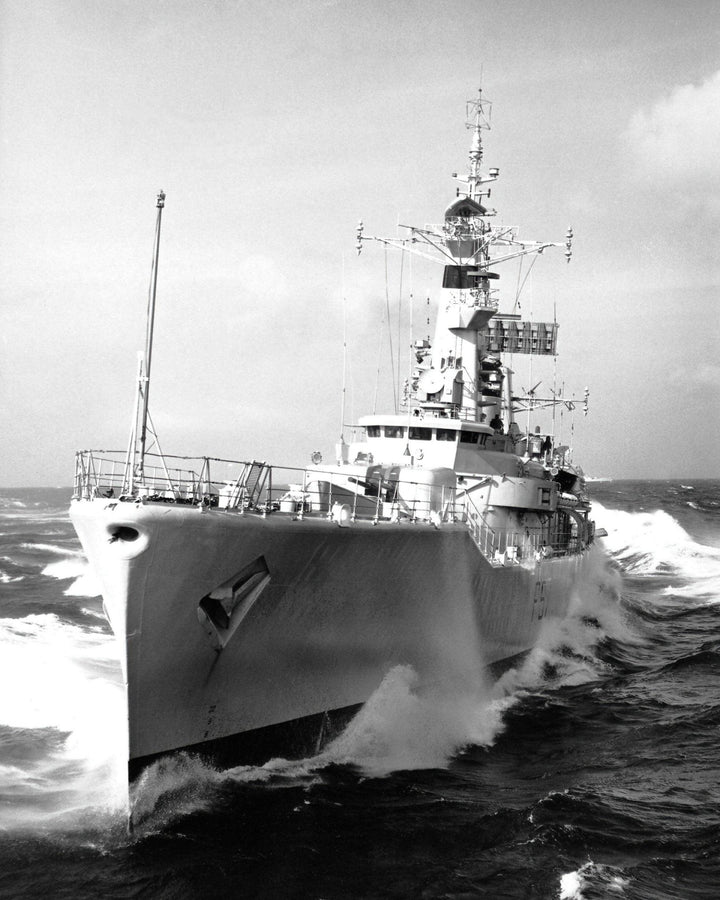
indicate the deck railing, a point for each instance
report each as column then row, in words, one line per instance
column 256, row 488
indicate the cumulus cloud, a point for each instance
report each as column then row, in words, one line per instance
column 673, row 145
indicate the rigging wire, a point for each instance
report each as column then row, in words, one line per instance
column 554, row 387
column 344, row 357
column 379, row 352
column 387, row 311
column 531, row 404
column 516, row 304
column 399, row 324
column 522, row 286
column 408, row 393
column 381, row 329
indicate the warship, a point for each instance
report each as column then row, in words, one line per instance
column 257, row 607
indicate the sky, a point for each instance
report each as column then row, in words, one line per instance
column 274, row 127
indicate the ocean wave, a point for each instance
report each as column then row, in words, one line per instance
column 86, row 585
column 74, row 566
column 60, row 680
column 651, row 543
column 567, row 652
column 405, row 726
column 71, row 567
column 93, row 613
column 171, row 788
column 183, row 784
column 55, row 549
column 708, row 654
column 592, row 880
column 6, row 578
column 705, row 590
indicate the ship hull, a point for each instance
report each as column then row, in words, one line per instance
column 334, row 610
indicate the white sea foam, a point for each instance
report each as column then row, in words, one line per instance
column 704, row 590
column 405, row 725
column 77, row 567
column 170, row 788
column 72, row 567
column 570, row 886
column 648, row 543
column 85, row 585
column 183, row 783
column 55, row 677
column 52, row 548
column 7, row 579
column 566, row 651
column 593, row 877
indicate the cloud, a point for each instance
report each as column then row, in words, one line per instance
column 673, row 146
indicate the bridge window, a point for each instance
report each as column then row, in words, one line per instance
column 469, row 437
column 394, row 431
column 446, row 434
column 420, row 434
column 373, row 431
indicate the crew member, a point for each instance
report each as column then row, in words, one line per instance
column 497, row 424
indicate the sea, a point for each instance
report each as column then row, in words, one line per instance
column 592, row 770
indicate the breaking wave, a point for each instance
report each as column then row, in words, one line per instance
column 74, row 566
column 62, row 695
column 652, row 543
column 6, row 578
column 403, row 727
column 598, row 880
column 55, row 549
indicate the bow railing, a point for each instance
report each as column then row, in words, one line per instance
column 345, row 495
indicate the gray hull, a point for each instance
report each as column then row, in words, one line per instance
column 335, row 609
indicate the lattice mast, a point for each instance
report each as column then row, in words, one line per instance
column 459, row 376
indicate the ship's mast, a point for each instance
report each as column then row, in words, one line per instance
column 477, row 115
column 144, row 375
column 461, row 376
